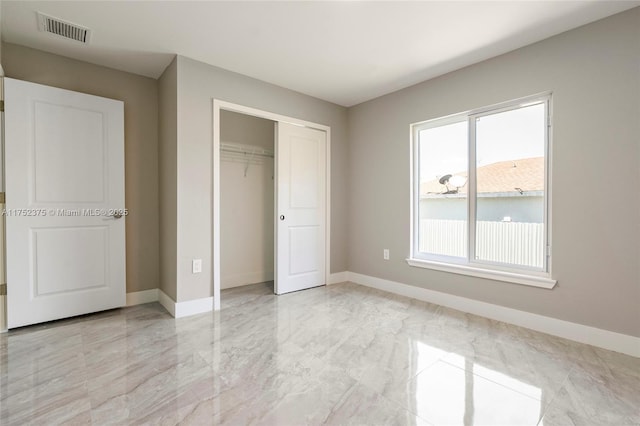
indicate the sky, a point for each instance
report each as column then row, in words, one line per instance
column 509, row 135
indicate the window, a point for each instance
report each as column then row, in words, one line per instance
column 480, row 192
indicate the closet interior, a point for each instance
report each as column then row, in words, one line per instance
column 247, row 146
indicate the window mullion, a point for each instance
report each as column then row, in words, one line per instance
column 471, row 192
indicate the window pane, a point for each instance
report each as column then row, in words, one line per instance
column 443, row 190
column 510, row 162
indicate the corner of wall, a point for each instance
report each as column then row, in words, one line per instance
column 167, row 169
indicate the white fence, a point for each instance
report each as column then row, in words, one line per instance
column 506, row 242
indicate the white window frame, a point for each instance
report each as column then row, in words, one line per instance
column 538, row 277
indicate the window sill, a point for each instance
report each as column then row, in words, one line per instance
column 510, row 277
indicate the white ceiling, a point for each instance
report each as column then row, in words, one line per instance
column 344, row 52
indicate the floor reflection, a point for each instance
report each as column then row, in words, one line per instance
column 462, row 392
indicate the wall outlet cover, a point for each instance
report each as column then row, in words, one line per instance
column 196, row 266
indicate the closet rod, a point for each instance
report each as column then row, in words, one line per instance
column 248, row 150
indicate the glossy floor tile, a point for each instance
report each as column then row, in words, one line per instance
column 343, row 354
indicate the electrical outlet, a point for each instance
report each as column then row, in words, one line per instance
column 385, row 254
column 196, row 266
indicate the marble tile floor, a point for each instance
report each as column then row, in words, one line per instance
column 343, row 354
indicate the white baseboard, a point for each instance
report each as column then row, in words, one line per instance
column 610, row 340
column 185, row 309
column 338, row 277
column 194, row 307
column 141, row 297
column 168, row 303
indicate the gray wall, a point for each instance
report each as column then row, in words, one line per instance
column 594, row 74
column 168, row 175
column 140, row 96
column 246, row 129
column 198, row 84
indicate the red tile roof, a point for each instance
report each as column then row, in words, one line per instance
column 524, row 175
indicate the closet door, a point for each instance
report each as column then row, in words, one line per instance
column 300, row 208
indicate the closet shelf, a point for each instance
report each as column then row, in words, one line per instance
column 247, row 154
column 249, row 151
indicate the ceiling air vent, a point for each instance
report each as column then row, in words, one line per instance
column 61, row 28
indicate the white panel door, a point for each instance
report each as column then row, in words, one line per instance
column 300, row 208
column 64, row 156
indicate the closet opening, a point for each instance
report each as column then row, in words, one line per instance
column 271, row 202
column 247, row 194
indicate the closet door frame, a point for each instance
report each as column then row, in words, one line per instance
column 219, row 105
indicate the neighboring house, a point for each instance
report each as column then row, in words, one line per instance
column 510, row 191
